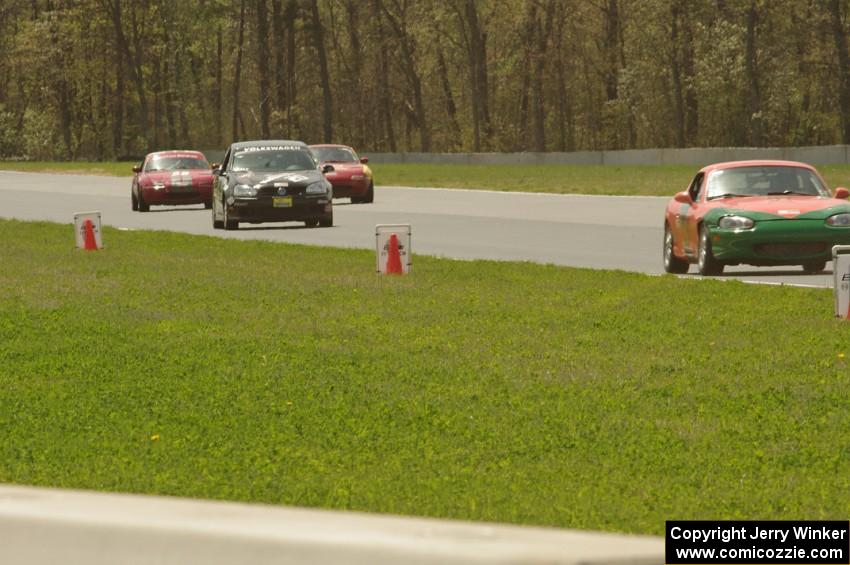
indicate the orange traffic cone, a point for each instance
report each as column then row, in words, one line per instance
column 89, row 242
column 394, row 257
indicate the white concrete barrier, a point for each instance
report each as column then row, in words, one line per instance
column 48, row 526
column 692, row 156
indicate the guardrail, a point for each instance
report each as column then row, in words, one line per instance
column 822, row 155
column 47, row 526
column 694, row 156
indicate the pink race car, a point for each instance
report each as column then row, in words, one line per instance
column 172, row 178
column 351, row 176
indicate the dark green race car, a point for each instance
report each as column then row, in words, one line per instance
column 271, row 181
column 756, row 213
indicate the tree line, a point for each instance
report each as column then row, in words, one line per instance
column 105, row 79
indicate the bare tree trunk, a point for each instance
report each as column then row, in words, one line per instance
column 676, row 75
column 840, row 38
column 280, row 55
column 451, row 108
column 166, row 85
column 319, row 42
column 385, row 114
column 217, row 102
column 399, row 29
column 118, row 107
column 475, row 40
column 265, row 94
column 543, row 31
column 752, row 71
column 237, row 72
column 134, row 62
column 292, row 122
column 691, row 101
column 353, row 14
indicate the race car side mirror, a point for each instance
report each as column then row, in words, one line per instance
column 328, row 168
column 842, row 192
column 137, row 169
column 364, row 160
column 683, row 197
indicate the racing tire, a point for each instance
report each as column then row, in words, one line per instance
column 707, row 265
column 217, row 224
column 311, row 223
column 143, row 206
column 326, row 221
column 134, row 202
column 228, row 223
column 208, row 205
column 369, row 197
column 672, row 264
column 814, row 267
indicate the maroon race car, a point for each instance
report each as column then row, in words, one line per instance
column 172, row 178
column 351, row 176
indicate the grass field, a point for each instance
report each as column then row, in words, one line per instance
column 565, row 179
column 515, row 392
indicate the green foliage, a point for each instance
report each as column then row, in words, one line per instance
column 567, row 74
column 40, row 140
column 254, row 371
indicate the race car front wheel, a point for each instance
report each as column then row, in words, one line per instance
column 672, row 264
column 814, row 267
column 228, row 223
column 217, row 224
column 706, row 263
column 143, row 206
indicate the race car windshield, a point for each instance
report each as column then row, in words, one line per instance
column 175, row 164
column 334, row 155
column 273, row 160
column 764, row 181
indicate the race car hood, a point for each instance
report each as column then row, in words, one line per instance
column 346, row 169
column 295, row 179
column 783, row 206
column 196, row 176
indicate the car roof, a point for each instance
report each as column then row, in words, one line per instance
column 176, row 152
column 755, row 163
column 265, row 142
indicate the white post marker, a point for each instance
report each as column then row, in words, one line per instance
column 80, row 228
column 403, row 233
column 841, row 280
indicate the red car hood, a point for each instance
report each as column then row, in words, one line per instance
column 346, row 168
column 781, row 205
column 197, row 175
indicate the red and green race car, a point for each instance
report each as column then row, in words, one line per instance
column 755, row 213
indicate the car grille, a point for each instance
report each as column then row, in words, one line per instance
column 270, row 190
column 790, row 249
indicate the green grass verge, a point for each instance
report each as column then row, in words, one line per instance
column 254, row 371
column 562, row 179
column 107, row 168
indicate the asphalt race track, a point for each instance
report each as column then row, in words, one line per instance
column 601, row 232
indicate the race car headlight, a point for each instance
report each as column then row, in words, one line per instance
column 839, row 220
column 242, row 190
column 320, row 187
column 158, row 185
column 735, row 223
